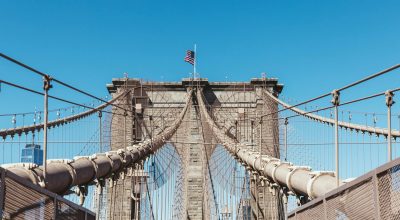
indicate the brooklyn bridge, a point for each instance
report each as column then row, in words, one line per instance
column 197, row 149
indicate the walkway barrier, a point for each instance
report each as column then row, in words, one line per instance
column 20, row 199
column 375, row 195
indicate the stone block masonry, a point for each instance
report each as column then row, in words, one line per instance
column 235, row 106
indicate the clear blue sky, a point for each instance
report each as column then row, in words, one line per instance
column 311, row 46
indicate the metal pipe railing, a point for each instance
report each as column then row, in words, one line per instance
column 62, row 175
column 342, row 124
column 31, row 128
column 298, row 179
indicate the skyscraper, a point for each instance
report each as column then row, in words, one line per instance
column 32, row 154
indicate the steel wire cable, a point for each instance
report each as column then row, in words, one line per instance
column 171, row 161
column 222, row 159
column 163, row 112
column 344, row 103
column 47, row 76
column 342, row 124
column 342, row 88
column 40, row 111
column 53, row 97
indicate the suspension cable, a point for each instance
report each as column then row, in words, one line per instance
column 54, row 97
column 57, row 81
column 38, row 111
column 341, row 89
column 370, row 77
column 345, row 103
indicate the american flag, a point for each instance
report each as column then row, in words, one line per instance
column 189, row 57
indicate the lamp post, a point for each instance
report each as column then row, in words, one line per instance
column 336, row 101
column 389, row 102
column 46, row 87
column 286, row 137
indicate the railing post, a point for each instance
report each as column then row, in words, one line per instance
column 2, row 190
column 46, row 87
column 336, row 101
column 389, row 102
column 375, row 184
column 286, row 136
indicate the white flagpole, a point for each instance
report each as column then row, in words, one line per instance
column 195, row 61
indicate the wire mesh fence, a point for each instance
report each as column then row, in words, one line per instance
column 375, row 195
column 20, row 199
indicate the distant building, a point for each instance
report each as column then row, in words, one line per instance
column 32, row 154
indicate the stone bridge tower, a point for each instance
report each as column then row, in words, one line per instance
column 236, row 106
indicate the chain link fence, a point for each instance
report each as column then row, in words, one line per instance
column 375, row 195
column 20, row 199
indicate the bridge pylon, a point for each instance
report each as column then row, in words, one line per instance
column 239, row 107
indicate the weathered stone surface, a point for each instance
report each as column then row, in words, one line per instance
column 236, row 106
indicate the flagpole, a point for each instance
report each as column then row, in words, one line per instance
column 195, row 61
